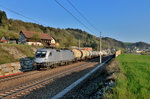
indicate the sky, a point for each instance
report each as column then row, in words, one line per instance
column 124, row 20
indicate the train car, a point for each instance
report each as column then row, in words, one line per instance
column 87, row 54
column 50, row 57
column 117, row 53
column 77, row 54
column 95, row 54
column 91, row 55
column 83, row 56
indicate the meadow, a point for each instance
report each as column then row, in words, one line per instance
column 134, row 78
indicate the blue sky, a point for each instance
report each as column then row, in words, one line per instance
column 124, row 20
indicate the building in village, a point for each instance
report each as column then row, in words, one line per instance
column 8, row 40
column 4, row 40
column 44, row 39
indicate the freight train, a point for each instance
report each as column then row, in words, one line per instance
column 52, row 57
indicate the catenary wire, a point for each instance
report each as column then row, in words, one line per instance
column 73, row 15
column 82, row 16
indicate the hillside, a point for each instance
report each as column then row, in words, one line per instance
column 140, row 45
column 65, row 37
column 13, row 52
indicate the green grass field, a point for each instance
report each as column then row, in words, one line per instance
column 134, row 78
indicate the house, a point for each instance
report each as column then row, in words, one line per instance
column 8, row 40
column 4, row 40
column 13, row 40
column 45, row 39
column 139, row 51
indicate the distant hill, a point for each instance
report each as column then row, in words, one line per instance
column 113, row 43
column 140, row 45
column 65, row 37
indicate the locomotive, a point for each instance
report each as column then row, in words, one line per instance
column 52, row 57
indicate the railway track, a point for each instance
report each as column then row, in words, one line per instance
column 26, row 74
column 14, row 81
column 24, row 88
column 21, row 75
column 18, row 76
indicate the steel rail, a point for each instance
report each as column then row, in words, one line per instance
column 36, row 82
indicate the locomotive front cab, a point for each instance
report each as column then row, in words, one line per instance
column 40, row 58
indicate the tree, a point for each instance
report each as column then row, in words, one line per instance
column 35, row 37
column 3, row 19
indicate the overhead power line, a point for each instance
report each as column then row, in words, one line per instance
column 19, row 14
column 73, row 16
column 83, row 16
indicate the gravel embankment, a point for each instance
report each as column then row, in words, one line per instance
column 95, row 85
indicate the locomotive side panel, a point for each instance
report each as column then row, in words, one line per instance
column 67, row 55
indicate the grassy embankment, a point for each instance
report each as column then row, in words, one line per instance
column 134, row 78
column 13, row 52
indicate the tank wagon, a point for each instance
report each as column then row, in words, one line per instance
column 83, row 56
column 90, row 55
column 77, row 54
column 95, row 54
column 51, row 57
column 87, row 54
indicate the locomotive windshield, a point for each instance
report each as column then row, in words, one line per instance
column 40, row 54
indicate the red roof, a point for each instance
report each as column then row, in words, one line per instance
column 3, row 41
column 29, row 34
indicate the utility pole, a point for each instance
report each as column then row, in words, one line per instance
column 79, row 43
column 100, row 46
